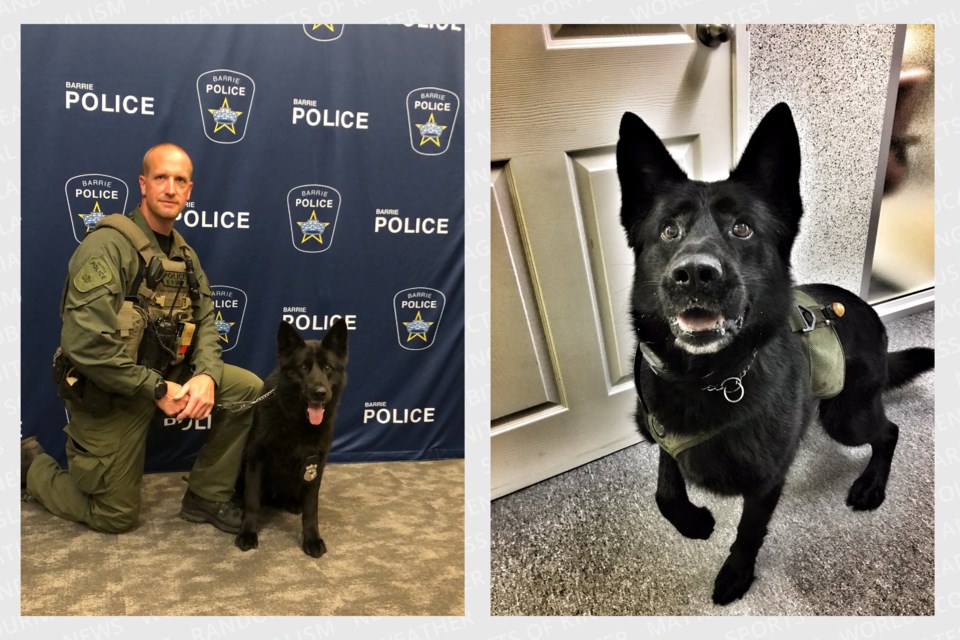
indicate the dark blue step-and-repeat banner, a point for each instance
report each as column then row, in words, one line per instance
column 328, row 182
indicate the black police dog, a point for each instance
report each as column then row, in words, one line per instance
column 292, row 432
column 710, row 301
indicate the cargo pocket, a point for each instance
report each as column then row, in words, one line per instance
column 87, row 469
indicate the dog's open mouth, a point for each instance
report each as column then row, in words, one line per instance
column 702, row 330
column 696, row 319
column 315, row 413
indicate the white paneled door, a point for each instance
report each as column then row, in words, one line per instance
column 562, row 350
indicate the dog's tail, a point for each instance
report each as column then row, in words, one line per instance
column 904, row 366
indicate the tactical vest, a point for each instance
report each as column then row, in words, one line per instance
column 164, row 314
column 814, row 325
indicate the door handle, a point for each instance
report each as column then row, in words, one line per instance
column 713, row 35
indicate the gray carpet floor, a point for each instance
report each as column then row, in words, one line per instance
column 592, row 542
column 394, row 535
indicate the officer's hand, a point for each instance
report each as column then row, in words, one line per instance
column 169, row 404
column 199, row 392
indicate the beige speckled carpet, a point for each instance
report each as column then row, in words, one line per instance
column 394, row 535
column 592, row 542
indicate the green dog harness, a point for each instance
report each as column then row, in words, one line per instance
column 815, row 324
column 811, row 321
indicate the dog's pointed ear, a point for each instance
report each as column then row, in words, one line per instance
column 643, row 166
column 771, row 165
column 336, row 338
column 288, row 340
column 772, row 157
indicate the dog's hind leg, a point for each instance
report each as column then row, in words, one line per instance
column 736, row 574
column 689, row 519
column 856, row 424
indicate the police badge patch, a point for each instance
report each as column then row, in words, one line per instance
column 323, row 32
column 311, row 468
column 226, row 100
column 431, row 116
column 417, row 312
column 92, row 196
column 313, row 211
column 94, row 273
column 230, row 304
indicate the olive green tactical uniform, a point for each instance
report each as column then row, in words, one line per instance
column 105, row 454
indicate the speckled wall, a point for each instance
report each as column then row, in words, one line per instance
column 835, row 79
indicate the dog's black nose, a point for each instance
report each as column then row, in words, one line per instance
column 696, row 269
column 318, row 394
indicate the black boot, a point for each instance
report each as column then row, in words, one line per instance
column 223, row 515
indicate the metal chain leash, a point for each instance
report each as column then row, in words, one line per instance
column 237, row 407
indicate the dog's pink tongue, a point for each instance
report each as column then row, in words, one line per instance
column 315, row 414
column 699, row 320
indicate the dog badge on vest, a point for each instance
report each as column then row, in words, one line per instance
column 310, row 468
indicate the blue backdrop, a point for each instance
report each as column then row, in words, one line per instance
column 328, row 182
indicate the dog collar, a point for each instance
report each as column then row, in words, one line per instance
column 676, row 443
column 732, row 386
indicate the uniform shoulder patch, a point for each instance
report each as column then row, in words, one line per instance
column 94, row 273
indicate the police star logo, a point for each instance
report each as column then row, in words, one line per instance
column 431, row 119
column 225, row 118
column 313, row 210
column 90, row 198
column 223, row 327
column 226, row 103
column 417, row 312
column 323, row 32
column 312, row 228
column 230, row 305
column 92, row 219
column 417, row 328
column 430, row 131
column 310, row 473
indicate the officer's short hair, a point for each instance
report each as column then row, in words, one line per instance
column 144, row 168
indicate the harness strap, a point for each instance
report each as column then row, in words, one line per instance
column 808, row 314
column 135, row 235
column 140, row 242
column 814, row 324
column 672, row 443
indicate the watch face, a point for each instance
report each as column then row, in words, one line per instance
column 160, row 390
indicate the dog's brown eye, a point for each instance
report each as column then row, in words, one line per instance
column 742, row 230
column 304, row 367
column 327, row 368
column 670, row 231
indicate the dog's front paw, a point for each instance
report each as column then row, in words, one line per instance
column 691, row 521
column 315, row 547
column 867, row 493
column 247, row 540
column 732, row 582
column 697, row 523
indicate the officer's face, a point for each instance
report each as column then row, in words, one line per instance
column 166, row 186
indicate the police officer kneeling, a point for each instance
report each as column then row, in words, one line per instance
column 138, row 335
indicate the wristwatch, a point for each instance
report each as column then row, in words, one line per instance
column 160, row 389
